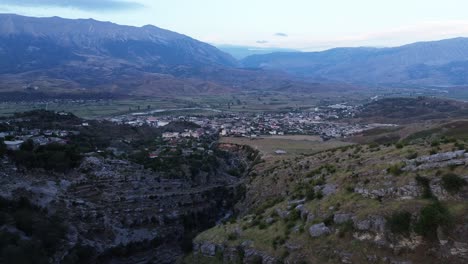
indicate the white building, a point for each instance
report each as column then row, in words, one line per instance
column 13, row 145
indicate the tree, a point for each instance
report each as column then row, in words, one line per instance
column 3, row 148
column 28, row 145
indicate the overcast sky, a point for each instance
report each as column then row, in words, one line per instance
column 299, row 24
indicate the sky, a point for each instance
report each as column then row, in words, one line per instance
column 306, row 25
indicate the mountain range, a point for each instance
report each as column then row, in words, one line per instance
column 63, row 55
column 241, row 52
column 437, row 63
column 29, row 43
column 56, row 56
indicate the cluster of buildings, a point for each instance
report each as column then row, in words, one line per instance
column 323, row 121
column 14, row 138
column 188, row 133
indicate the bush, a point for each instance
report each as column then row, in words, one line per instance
column 44, row 234
column 395, row 169
column 329, row 220
column 233, row 235
column 453, row 183
column 310, row 194
column 319, row 195
column 60, row 158
column 399, row 145
column 3, row 148
column 412, row 155
column 399, row 222
column 424, row 183
column 435, row 143
column 294, row 215
column 431, row 218
column 346, row 228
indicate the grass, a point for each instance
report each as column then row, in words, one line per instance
column 293, row 145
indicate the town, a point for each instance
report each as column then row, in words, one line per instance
column 326, row 122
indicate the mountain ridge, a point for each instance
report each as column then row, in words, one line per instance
column 87, row 37
column 417, row 63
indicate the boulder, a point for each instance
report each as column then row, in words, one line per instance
column 295, row 202
column 304, row 212
column 318, row 230
column 373, row 223
column 310, row 217
column 362, row 225
column 282, row 214
column 329, row 189
column 208, row 249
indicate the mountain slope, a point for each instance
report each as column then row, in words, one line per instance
column 431, row 63
column 59, row 55
column 28, row 43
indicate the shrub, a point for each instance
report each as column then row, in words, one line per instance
column 329, row 220
column 3, row 148
column 399, row 145
column 346, row 228
column 459, row 145
column 232, row 236
column 319, row 195
column 435, row 143
column 424, row 183
column 431, row 218
column 60, row 158
column 294, row 215
column 395, row 169
column 453, row 183
column 310, row 194
column 412, row 155
column 399, row 222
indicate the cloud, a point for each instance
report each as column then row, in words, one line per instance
column 426, row 31
column 261, row 41
column 279, row 34
column 86, row 5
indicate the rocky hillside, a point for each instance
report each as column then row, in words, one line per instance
column 426, row 63
column 402, row 202
column 94, row 195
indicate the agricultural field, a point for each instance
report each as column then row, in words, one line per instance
column 96, row 108
column 293, row 145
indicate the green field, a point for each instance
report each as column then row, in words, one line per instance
column 94, row 109
column 241, row 102
column 250, row 101
column 293, row 145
